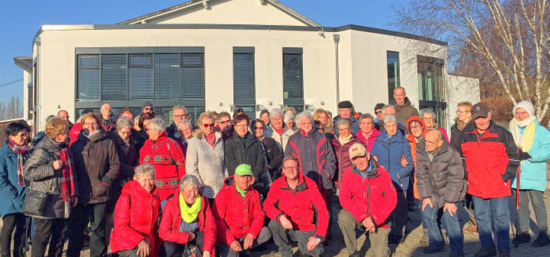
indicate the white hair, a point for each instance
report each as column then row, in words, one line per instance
column 387, row 106
column 189, row 180
column 157, row 124
column 305, row 114
column 275, row 112
column 389, row 118
column 144, row 169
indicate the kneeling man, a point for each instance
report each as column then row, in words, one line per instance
column 440, row 183
column 239, row 215
column 368, row 198
column 296, row 209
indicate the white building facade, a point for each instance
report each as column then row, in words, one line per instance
column 223, row 54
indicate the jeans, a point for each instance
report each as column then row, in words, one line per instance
column 262, row 237
column 400, row 215
column 172, row 249
column 378, row 239
column 15, row 222
column 538, row 206
column 454, row 230
column 48, row 231
column 493, row 215
column 281, row 238
column 82, row 214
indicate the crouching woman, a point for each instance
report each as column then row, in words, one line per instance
column 187, row 223
column 136, row 216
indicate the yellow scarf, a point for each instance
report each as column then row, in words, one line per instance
column 189, row 213
column 528, row 135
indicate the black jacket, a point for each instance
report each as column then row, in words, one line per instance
column 442, row 179
column 252, row 154
column 274, row 157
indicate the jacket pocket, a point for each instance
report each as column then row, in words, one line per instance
column 99, row 190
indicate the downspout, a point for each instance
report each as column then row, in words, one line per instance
column 336, row 38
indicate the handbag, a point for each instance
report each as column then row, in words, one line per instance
column 35, row 203
column 191, row 251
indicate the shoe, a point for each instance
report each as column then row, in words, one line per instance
column 541, row 241
column 504, row 254
column 486, row 252
column 472, row 228
column 445, row 236
column 452, row 254
column 356, row 254
column 521, row 238
column 395, row 239
column 433, row 250
column 425, row 240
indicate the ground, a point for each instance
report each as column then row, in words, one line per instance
column 411, row 246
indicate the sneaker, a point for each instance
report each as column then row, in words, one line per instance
column 521, row 238
column 425, row 240
column 486, row 252
column 541, row 241
column 433, row 250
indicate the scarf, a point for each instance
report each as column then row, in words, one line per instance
column 242, row 192
column 67, row 181
column 190, row 213
column 461, row 124
column 524, row 141
column 22, row 152
column 344, row 140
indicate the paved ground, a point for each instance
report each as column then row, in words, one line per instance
column 411, row 246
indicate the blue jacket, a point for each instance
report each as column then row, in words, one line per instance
column 389, row 153
column 12, row 195
column 533, row 172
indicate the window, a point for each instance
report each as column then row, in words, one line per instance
column 244, row 94
column 113, row 76
column 393, row 73
column 293, row 83
column 140, row 76
column 88, row 77
column 168, row 75
column 192, row 76
column 431, row 86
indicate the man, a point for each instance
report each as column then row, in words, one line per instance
column 278, row 131
column 378, row 112
column 346, row 111
column 296, row 209
column 147, row 107
column 179, row 112
column 403, row 106
column 368, row 198
column 314, row 153
column 264, row 116
column 128, row 113
column 108, row 120
column 491, row 159
column 225, row 126
column 63, row 114
column 239, row 229
column 440, row 184
column 389, row 109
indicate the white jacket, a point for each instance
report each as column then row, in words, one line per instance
column 206, row 163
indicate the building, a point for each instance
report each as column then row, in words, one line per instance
column 223, row 54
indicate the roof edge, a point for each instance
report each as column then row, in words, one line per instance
column 24, row 62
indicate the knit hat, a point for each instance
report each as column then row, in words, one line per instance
column 479, row 110
column 244, row 170
column 345, row 104
column 357, row 150
column 146, row 103
column 527, row 106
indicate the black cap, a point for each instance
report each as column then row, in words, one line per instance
column 146, row 103
column 479, row 110
column 345, row 104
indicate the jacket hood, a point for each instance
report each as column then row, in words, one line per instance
column 397, row 137
column 410, row 137
column 134, row 188
column 50, row 145
column 200, row 135
column 100, row 135
column 406, row 103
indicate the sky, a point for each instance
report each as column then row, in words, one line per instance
column 22, row 19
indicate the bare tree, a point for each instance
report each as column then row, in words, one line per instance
column 12, row 109
column 506, row 43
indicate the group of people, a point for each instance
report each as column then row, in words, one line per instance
column 179, row 190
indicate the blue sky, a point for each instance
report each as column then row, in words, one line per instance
column 22, row 19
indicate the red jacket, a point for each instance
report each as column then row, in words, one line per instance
column 369, row 142
column 73, row 134
column 373, row 196
column 237, row 216
column 168, row 160
column 136, row 216
column 491, row 160
column 342, row 155
column 304, row 207
column 171, row 221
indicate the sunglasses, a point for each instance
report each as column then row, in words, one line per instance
column 378, row 112
column 211, row 125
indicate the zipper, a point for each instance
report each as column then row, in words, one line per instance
column 368, row 195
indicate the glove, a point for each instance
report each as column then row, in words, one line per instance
column 524, row 156
column 504, row 177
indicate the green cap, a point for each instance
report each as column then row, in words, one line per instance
column 244, row 170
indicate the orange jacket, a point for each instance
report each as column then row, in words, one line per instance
column 412, row 141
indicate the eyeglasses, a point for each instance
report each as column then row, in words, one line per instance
column 90, row 124
column 259, row 128
column 225, row 122
column 431, row 142
column 416, row 127
column 148, row 109
column 179, row 116
column 210, row 125
column 521, row 113
column 290, row 168
column 241, row 126
column 23, row 134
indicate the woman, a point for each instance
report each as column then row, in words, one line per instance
column 326, row 122
column 244, row 148
column 274, row 156
column 185, row 129
column 388, row 149
column 341, row 145
column 289, row 121
column 429, row 118
column 264, row 116
column 205, row 157
column 534, row 140
column 13, row 156
column 187, row 220
column 50, row 169
column 136, row 216
column 367, row 132
column 141, row 135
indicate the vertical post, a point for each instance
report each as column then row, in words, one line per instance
column 336, row 38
